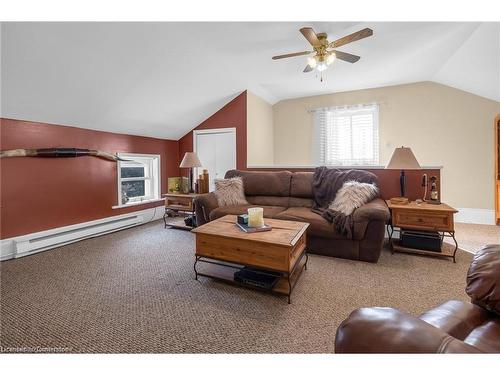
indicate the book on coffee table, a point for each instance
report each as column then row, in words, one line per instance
column 246, row 228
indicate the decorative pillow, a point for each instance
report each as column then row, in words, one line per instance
column 352, row 195
column 230, row 192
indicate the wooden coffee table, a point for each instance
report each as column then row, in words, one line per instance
column 222, row 249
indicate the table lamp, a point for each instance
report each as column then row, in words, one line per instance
column 403, row 159
column 190, row 160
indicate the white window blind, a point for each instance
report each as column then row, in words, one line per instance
column 346, row 136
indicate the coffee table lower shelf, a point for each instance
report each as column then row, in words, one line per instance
column 224, row 271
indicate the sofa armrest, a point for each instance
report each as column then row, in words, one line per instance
column 203, row 205
column 387, row 330
column 375, row 210
column 374, row 214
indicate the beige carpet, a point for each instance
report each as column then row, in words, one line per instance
column 472, row 237
column 134, row 291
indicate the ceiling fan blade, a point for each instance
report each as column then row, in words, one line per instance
column 311, row 36
column 292, row 55
column 352, row 38
column 308, row 69
column 346, row 56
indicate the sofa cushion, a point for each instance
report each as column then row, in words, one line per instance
column 269, row 211
column 301, row 185
column 318, row 227
column 485, row 337
column 264, row 183
column 268, row 200
column 456, row 318
column 300, row 202
column 468, row 322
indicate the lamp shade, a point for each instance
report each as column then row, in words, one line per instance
column 402, row 159
column 190, row 160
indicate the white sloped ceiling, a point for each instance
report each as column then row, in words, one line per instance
column 475, row 64
column 163, row 79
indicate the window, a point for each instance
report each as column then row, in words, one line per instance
column 138, row 178
column 346, row 136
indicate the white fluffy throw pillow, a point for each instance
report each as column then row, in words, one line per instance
column 230, row 192
column 352, row 195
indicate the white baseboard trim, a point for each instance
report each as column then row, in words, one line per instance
column 475, row 216
column 33, row 243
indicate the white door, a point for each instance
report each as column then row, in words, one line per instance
column 216, row 149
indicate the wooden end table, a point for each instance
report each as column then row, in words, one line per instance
column 222, row 248
column 176, row 203
column 423, row 217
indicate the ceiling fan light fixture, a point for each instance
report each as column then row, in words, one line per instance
column 311, row 61
column 331, row 58
column 322, row 66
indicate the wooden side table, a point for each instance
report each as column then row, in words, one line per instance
column 178, row 204
column 423, row 217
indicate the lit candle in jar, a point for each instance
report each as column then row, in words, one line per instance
column 256, row 217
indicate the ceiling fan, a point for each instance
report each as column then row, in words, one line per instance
column 325, row 52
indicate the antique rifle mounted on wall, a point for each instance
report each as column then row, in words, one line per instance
column 58, row 153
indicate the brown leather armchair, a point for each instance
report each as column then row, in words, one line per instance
column 453, row 327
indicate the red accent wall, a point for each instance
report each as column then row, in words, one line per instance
column 38, row 194
column 232, row 115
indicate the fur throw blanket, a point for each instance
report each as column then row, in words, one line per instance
column 328, row 183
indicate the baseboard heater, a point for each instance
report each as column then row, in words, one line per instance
column 45, row 242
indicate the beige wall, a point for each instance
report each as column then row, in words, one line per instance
column 442, row 125
column 260, row 131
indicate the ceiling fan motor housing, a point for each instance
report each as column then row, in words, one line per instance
column 323, row 38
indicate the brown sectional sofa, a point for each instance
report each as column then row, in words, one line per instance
column 288, row 196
